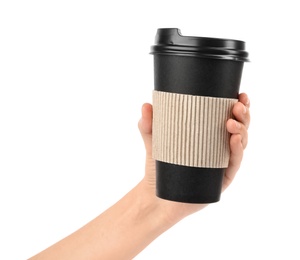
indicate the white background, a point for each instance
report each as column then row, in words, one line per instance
column 73, row 77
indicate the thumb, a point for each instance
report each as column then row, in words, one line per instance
column 145, row 127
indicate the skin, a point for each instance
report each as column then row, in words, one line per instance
column 128, row 226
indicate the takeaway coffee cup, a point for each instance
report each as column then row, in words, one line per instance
column 196, row 84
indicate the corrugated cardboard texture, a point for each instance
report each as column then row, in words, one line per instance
column 191, row 130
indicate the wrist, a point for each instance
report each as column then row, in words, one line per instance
column 167, row 213
column 152, row 209
column 162, row 214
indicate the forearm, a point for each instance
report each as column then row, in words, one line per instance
column 121, row 232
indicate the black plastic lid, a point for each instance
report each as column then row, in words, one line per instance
column 169, row 41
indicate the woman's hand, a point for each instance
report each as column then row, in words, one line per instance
column 174, row 211
column 128, row 226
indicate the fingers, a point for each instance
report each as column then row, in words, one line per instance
column 237, row 128
column 243, row 97
column 241, row 110
column 241, row 123
column 145, row 126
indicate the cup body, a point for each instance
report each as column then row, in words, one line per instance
column 193, row 77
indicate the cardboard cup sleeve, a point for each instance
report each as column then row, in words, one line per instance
column 191, row 130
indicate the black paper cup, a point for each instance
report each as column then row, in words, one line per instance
column 192, row 68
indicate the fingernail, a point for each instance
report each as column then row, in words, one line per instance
column 245, row 110
column 238, row 125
